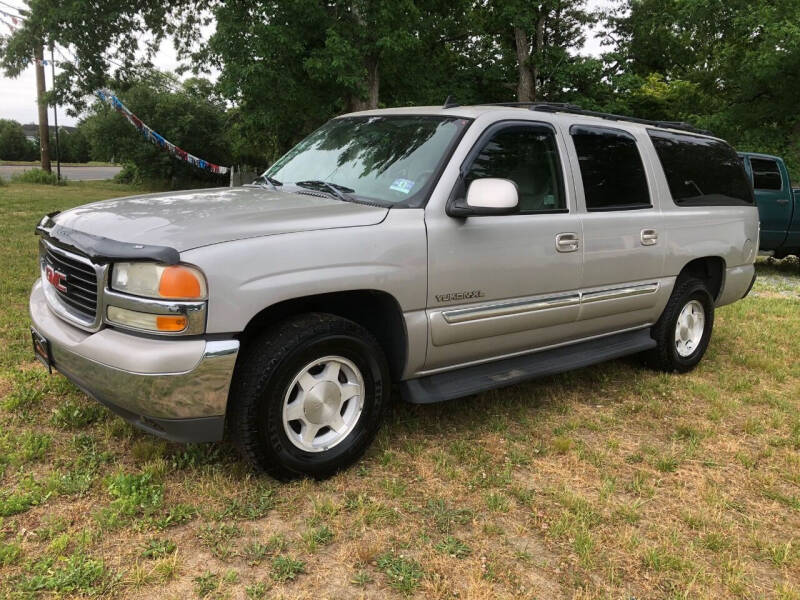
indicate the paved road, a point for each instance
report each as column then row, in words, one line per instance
column 73, row 173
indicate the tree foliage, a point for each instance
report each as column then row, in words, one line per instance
column 13, row 143
column 732, row 66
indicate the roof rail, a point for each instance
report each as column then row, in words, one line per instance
column 531, row 105
column 565, row 107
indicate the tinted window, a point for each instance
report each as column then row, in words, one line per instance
column 766, row 175
column 701, row 171
column 527, row 156
column 611, row 169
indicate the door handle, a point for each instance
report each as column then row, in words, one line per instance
column 649, row 237
column 782, row 201
column 567, row 242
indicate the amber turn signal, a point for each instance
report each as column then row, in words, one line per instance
column 171, row 323
column 180, row 282
column 146, row 321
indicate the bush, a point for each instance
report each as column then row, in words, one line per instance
column 37, row 176
column 129, row 174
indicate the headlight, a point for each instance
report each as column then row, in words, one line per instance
column 152, row 280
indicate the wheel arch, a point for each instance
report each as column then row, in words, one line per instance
column 377, row 311
column 710, row 270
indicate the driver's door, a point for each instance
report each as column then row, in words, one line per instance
column 500, row 285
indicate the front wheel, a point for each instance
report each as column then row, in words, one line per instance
column 309, row 397
column 683, row 332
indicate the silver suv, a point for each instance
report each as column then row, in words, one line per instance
column 447, row 250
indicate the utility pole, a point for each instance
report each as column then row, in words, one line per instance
column 44, row 128
column 55, row 114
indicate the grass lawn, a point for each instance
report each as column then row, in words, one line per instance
column 608, row 482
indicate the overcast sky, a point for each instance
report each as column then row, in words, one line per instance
column 18, row 96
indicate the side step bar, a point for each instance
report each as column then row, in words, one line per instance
column 479, row 378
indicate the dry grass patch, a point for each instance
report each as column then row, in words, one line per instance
column 608, row 482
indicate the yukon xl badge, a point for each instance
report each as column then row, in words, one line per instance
column 456, row 296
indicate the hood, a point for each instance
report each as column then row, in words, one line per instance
column 185, row 220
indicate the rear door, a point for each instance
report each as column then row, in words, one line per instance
column 623, row 249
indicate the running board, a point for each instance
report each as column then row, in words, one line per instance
column 479, row 378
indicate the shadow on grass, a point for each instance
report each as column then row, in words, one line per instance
column 770, row 266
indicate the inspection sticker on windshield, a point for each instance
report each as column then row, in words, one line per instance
column 402, row 185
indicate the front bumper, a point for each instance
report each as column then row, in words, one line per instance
column 175, row 389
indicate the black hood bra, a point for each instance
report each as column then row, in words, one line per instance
column 102, row 250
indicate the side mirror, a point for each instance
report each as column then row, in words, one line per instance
column 486, row 197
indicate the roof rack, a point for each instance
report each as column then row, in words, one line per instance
column 553, row 107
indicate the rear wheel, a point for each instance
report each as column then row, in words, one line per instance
column 309, row 397
column 684, row 330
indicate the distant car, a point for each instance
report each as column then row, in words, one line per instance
column 448, row 250
column 778, row 204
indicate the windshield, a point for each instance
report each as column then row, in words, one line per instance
column 388, row 160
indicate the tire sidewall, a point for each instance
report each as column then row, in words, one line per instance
column 701, row 294
column 270, row 409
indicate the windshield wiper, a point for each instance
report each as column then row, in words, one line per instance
column 340, row 191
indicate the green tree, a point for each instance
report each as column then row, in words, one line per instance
column 287, row 65
column 292, row 64
column 536, row 39
column 13, row 143
column 73, row 146
column 731, row 66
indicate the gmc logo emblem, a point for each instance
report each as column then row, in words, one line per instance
column 56, row 278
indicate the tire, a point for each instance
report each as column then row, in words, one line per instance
column 286, row 386
column 673, row 353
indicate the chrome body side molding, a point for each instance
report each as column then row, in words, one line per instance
column 619, row 292
column 515, row 307
column 534, row 313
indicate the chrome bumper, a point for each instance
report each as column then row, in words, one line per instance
column 177, row 389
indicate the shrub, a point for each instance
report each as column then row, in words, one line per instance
column 37, row 176
column 129, row 174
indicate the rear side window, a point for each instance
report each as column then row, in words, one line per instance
column 611, row 169
column 766, row 174
column 528, row 156
column 701, row 171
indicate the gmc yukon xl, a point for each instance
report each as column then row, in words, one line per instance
column 441, row 251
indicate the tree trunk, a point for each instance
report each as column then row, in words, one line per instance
column 44, row 128
column 373, row 88
column 373, row 82
column 526, row 86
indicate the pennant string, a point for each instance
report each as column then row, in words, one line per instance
column 109, row 98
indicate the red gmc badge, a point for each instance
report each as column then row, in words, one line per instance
column 56, row 278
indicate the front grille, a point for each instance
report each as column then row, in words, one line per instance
column 80, row 282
